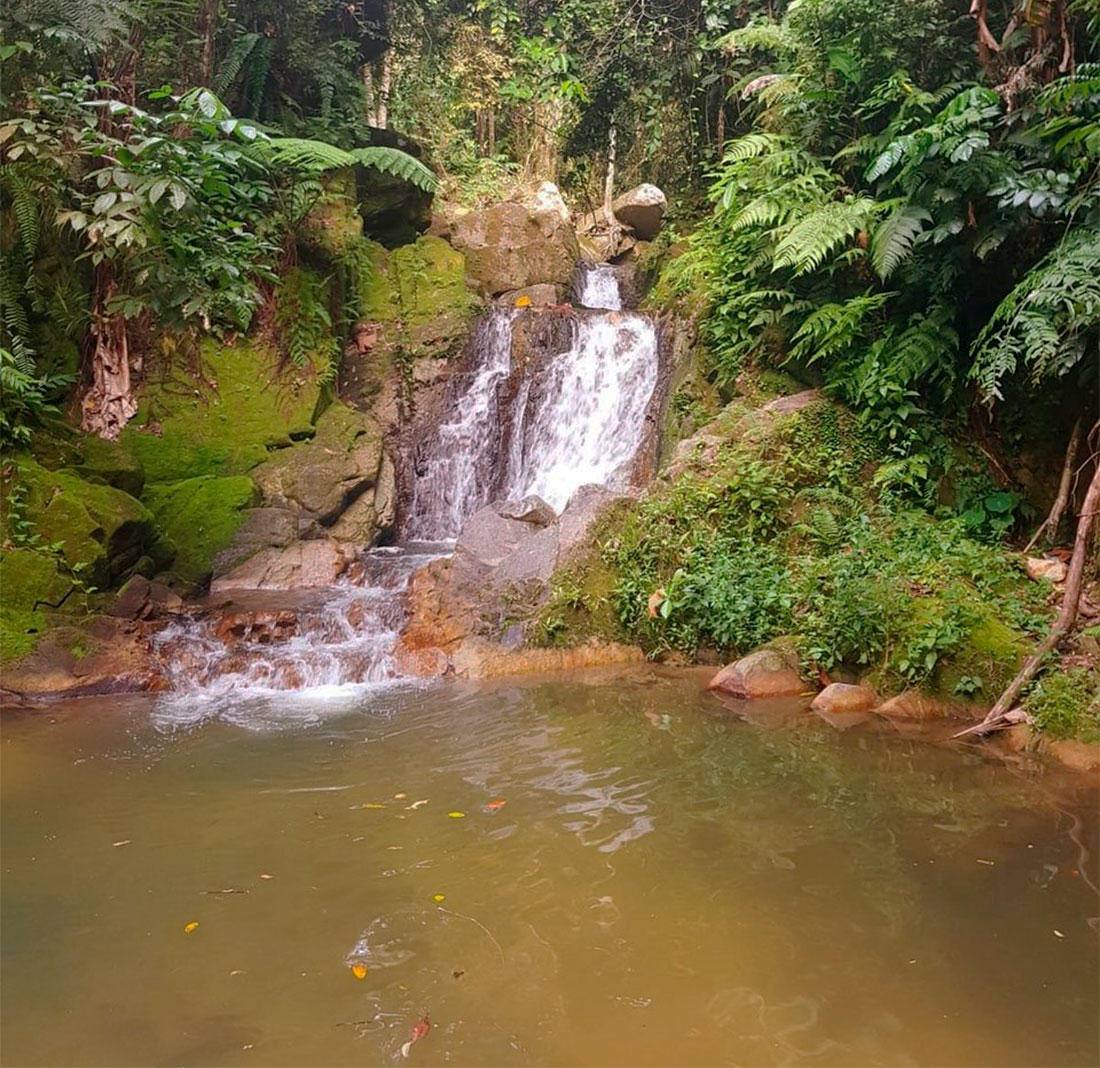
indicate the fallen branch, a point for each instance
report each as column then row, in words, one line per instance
column 997, row 716
column 1054, row 518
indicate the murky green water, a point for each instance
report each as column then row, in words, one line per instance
column 665, row 884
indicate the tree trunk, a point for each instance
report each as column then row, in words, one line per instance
column 609, row 179
column 1053, row 520
column 208, row 19
column 720, row 122
column 492, row 132
column 367, row 74
column 1062, row 625
column 108, row 404
column 385, row 82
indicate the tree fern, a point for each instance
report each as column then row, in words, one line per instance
column 25, row 205
column 399, row 164
column 893, row 239
column 1048, row 322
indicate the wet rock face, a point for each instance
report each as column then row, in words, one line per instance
column 303, row 565
column 511, row 246
column 501, row 568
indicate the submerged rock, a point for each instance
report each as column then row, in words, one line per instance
column 844, row 697
column 768, row 672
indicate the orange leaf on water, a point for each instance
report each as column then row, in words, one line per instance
column 359, row 971
column 523, row 302
column 192, row 926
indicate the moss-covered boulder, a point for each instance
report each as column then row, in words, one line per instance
column 98, row 531
column 421, row 307
column 201, row 516
column 221, row 417
column 92, row 458
column 341, row 470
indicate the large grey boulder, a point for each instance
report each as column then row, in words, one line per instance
column 340, row 480
column 512, row 245
column 642, row 209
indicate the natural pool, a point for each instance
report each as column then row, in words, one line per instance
column 613, row 869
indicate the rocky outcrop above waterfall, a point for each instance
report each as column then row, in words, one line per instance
column 513, row 245
column 642, row 209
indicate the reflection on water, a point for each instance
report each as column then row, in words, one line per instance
column 610, row 870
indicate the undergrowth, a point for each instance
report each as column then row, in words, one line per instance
column 788, row 535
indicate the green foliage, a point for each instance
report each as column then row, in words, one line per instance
column 303, row 326
column 25, row 398
column 301, row 154
column 1066, row 703
column 1048, row 323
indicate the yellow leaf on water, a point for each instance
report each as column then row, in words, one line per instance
column 438, row 897
column 192, row 926
column 373, row 804
column 457, row 815
column 266, row 876
column 359, row 971
column 523, row 302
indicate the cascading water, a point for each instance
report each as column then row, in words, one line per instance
column 577, row 419
column 598, row 287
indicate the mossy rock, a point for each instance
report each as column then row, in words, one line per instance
column 419, row 291
column 200, row 516
column 993, row 652
column 223, row 418
column 99, row 531
column 30, row 578
column 20, row 631
column 92, row 458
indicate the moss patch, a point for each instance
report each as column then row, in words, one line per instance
column 20, row 632
column 30, row 578
column 99, row 531
column 418, row 293
column 223, row 420
column 200, row 516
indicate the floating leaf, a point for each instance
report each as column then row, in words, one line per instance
column 373, row 804
column 439, row 897
column 266, row 876
column 192, row 926
column 523, row 302
column 457, row 815
column 496, row 804
column 125, row 841
column 359, row 971
column 400, row 797
column 417, row 804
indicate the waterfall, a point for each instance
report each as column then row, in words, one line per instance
column 546, row 424
column 576, row 420
column 584, row 413
column 598, row 287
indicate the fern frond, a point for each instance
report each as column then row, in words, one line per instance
column 892, row 240
column 754, row 144
column 234, row 62
column 833, row 330
column 810, row 242
column 1047, row 323
column 303, row 154
column 13, row 316
column 399, row 164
